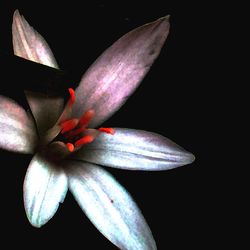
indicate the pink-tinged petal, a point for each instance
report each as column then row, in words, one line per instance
column 134, row 150
column 118, row 71
column 45, row 186
column 17, row 129
column 109, row 206
column 29, row 44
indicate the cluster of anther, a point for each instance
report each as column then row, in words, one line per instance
column 76, row 131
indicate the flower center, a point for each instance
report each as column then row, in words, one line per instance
column 75, row 131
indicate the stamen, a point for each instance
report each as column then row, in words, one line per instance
column 86, row 118
column 74, row 133
column 70, row 147
column 84, row 140
column 68, row 108
column 68, row 125
column 107, row 130
column 72, row 96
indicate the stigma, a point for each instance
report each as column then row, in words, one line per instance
column 75, row 132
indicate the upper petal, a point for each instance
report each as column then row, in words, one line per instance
column 114, row 76
column 29, row 44
column 134, row 150
column 17, row 129
column 45, row 186
column 109, row 207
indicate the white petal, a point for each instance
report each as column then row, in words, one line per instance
column 29, row 44
column 17, row 129
column 134, row 150
column 45, row 186
column 109, row 206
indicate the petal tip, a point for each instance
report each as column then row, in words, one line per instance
column 188, row 158
column 191, row 158
column 166, row 18
column 17, row 16
column 16, row 13
column 35, row 224
column 165, row 21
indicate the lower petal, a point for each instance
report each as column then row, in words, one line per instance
column 45, row 186
column 109, row 206
column 134, row 150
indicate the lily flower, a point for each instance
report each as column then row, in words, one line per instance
column 69, row 146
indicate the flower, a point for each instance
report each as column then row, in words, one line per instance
column 69, row 152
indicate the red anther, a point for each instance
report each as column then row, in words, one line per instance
column 74, row 133
column 72, row 96
column 84, row 140
column 107, row 130
column 70, row 147
column 68, row 125
column 85, row 119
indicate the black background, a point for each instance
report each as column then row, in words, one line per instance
column 174, row 100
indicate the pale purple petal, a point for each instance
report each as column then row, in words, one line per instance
column 29, row 44
column 109, row 206
column 45, row 186
column 118, row 71
column 134, row 150
column 17, row 129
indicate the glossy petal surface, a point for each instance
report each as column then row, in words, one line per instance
column 45, row 186
column 134, row 150
column 109, row 206
column 115, row 75
column 17, row 129
column 29, row 44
